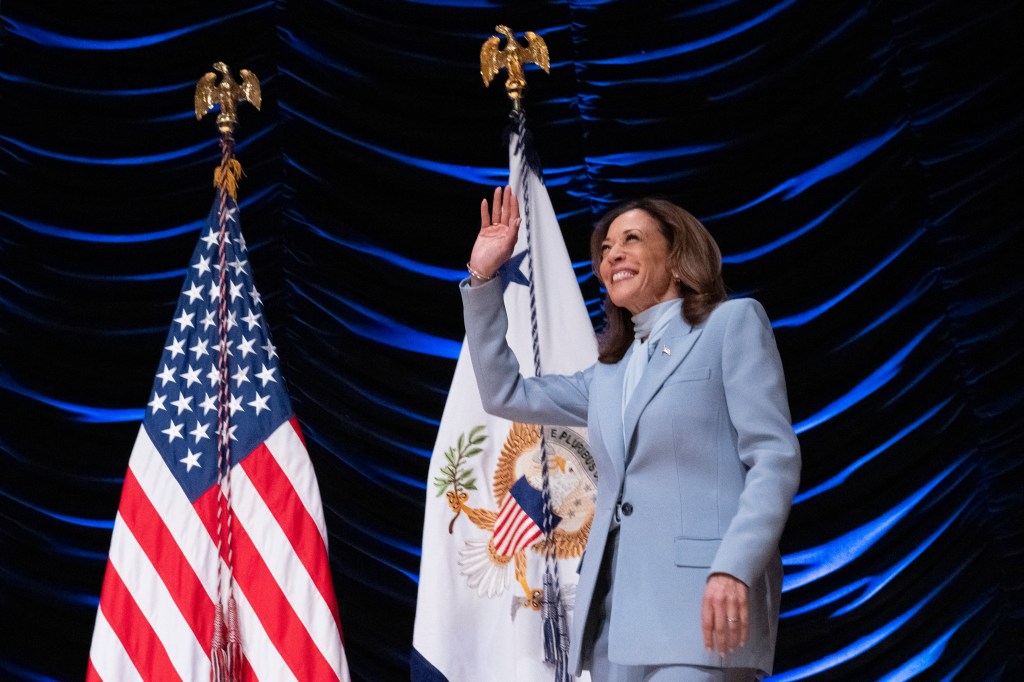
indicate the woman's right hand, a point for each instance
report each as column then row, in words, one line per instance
column 499, row 230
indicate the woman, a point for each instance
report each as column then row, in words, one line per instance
column 690, row 428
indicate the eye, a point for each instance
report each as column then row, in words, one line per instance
column 632, row 237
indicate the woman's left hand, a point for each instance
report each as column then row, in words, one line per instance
column 724, row 614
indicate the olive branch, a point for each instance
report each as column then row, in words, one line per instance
column 457, row 474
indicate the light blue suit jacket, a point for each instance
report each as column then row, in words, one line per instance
column 710, row 470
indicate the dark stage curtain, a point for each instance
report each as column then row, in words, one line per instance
column 858, row 161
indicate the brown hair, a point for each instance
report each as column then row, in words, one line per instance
column 694, row 260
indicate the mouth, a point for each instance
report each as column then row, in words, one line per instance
column 623, row 275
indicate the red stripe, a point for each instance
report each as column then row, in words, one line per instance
column 291, row 514
column 501, row 524
column 517, row 525
column 294, row 421
column 91, row 675
column 525, row 532
column 140, row 642
column 276, row 614
column 170, row 563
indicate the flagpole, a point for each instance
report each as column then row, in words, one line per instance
column 512, row 58
column 226, row 645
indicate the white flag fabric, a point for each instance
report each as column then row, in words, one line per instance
column 477, row 617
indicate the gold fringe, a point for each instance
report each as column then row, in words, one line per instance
column 229, row 181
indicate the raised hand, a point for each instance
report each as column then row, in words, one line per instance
column 499, row 230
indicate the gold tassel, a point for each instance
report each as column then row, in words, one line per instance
column 228, row 181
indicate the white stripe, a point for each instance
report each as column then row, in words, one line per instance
column 524, row 532
column 174, row 508
column 519, row 525
column 257, row 648
column 501, row 525
column 293, row 459
column 284, row 565
column 108, row 656
column 159, row 608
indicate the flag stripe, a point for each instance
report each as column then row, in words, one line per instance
column 156, row 603
column 132, row 629
column 275, row 547
column 260, row 653
column 163, row 552
column 266, row 473
column 108, row 660
column 182, row 520
column 289, row 450
column 285, row 629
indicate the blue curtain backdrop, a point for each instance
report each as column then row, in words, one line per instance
column 858, row 161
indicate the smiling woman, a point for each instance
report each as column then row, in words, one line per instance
column 669, row 241
column 696, row 455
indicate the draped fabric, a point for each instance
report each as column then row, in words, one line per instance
column 858, row 162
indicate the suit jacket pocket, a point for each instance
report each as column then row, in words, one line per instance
column 699, row 374
column 695, row 552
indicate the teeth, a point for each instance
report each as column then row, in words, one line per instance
column 624, row 274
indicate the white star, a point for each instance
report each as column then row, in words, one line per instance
column 214, row 291
column 240, row 241
column 203, row 265
column 232, row 214
column 173, row 431
column 235, row 404
column 183, row 403
column 236, row 290
column 260, row 403
column 209, row 403
column 226, row 346
column 208, row 320
column 185, row 320
column 246, row 347
column 231, row 432
column 213, row 375
column 211, row 238
column 238, row 265
column 166, row 375
column 157, row 403
column 271, row 350
column 200, row 431
column 231, row 320
column 191, row 376
column 252, row 319
column 255, row 296
column 241, row 376
column 267, row 374
column 191, row 460
column 177, row 348
column 195, row 293
column 200, row 348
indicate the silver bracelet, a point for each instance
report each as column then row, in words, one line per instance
column 474, row 273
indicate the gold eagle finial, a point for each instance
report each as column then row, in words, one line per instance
column 512, row 58
column 226, row 93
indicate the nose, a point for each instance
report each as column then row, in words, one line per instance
column 614, row 252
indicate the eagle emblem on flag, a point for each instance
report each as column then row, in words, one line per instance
column 491, row 561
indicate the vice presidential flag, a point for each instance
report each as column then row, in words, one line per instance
column 164, row 578
column 482, row 568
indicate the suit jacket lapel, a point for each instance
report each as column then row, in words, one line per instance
column 678, row 339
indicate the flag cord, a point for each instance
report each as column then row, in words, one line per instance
column 556, row 635
column 226, row 645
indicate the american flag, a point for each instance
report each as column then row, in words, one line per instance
column 156, row 614
column 520, row 519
